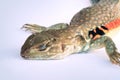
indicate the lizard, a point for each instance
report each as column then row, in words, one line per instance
column 88, row 30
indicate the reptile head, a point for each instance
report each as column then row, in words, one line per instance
column 46, row 46
column 39, row 46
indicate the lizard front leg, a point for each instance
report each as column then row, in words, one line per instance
column 34, row 28
column 110, row 47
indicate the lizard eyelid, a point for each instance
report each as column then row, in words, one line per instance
column 44, row 46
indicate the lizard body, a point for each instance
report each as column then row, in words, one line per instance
column 87, row 31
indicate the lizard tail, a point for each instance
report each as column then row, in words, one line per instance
column 94, row 1
column 102, row 1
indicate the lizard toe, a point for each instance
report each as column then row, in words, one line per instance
column 115, row 58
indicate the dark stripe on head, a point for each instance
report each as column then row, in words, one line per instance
column 104, row 27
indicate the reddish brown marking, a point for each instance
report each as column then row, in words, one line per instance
column 113, row 24
column 94, row 30
column 91, row 35
column 63, row 47
column 96, row 37
column 105, row 31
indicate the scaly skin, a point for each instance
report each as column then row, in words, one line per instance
column 86, row 31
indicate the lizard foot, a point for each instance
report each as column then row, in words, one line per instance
column 115, row 58
column 34, row 28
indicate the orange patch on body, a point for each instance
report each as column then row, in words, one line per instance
column 113, row 24
column 96, row 37
column 94, row 30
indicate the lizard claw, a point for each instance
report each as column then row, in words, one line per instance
column 115, row 58
column 34, row 28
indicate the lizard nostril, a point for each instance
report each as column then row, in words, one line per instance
column 24, row 56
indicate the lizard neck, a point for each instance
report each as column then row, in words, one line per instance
column 75, row 30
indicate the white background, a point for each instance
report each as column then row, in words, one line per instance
column 15, row 13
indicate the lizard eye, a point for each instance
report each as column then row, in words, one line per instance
column 42, row 47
